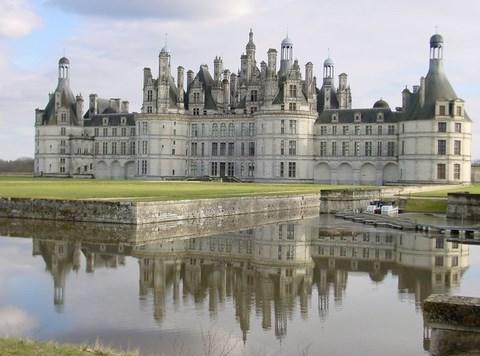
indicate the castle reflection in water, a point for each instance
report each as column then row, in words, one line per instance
column 271, row 269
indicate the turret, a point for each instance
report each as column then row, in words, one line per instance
column 125, row 106
column 63, row 69
column 147, row 76
column 263, row 70
column 309, row 89
column 328, row 70
column 286, row 57
column 250, row 47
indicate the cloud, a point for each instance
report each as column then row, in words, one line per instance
column 17, row 19
column 14, row 321
column 159, row 9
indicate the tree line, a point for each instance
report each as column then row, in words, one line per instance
column 19, row 165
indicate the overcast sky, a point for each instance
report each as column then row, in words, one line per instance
column 382, row 45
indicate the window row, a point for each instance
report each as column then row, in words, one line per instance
column 357, row 130
column 347, row 148
column 223, row 149
column 223, row 130
column 442, row 147
column 117, row 148
column 113, row 131
column 442, row 171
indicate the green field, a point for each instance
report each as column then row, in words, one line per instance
column 25, row 187
column 473, row 189
column 426, row 206
column 21, row 347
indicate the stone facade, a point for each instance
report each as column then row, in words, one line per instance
column 260, row 124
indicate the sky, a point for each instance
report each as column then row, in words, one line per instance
column 383, row 45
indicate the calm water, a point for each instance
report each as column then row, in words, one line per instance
column 320, row 285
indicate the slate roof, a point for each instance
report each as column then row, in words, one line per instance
column 68, row 101
column 437, row 87
column 334, row 104
column 347, row 116
column 113, row 119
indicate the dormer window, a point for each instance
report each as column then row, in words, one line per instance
column 442, row 110
column 293, row 91
column 63, row 117
column 196, row 98
column 253, row 95
column 357, row 117
column 459, row 111
column 123, row 121
column 105, row 121
column 380, row 117
column 335, row 117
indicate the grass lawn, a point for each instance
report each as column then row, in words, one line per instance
column 27, row 187
column 474, row 189
column 426, row 206
column 21, row 347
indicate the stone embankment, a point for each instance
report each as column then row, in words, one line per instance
column 137, row 213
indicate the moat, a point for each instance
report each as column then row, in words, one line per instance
column 319, row 285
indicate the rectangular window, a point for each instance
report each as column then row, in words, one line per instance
column 442, row 127
column 323, row 130
column 380, row 130
column 292, row 148
column 390, row 148
column 132, row 148
column 293, row 90
column 215, row 130
column 231, row 129
column 223, row 148
column 105, row 148
column 459, row 111
column 379, row 148
column 334, row 148
column 214, row 148
column 292, row 106
column 114, row 131
column 242, row 149
column 253, row 95
column 282, row 127
column 345, row 129
column 442, row 147
column 458, row 127
column 144, row 166
column 96, row 132
column 441, row 171
column 132, row 131
column 149, row 95
column 230, row 169
column 457, row 147
column 391, row 129
column 282, row 147
column 214, row 168
column 63, row 131
column 231, row 148
column 194, row 148
column 105, row 132
column 194, row 130
column 403, row 147
column 345, row 148
column 323, row 148
column 282, row 169
column 97, row 148
column 442, row 110
column 356, row 148
column 368, row 130
column 145, row 128
column 251, row 148
column 334, row 130
column 357, row 130
column 123, row 148
column 456, row 171
column 202, row 151
column 251, row 129
column 292, row 169
column 368, row 149
column 293, row 127
column 144, row 147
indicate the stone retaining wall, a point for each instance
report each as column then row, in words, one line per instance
column 463, row 206
column 151, row 212
column 332, row 201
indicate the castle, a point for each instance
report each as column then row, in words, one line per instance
column 261, row 124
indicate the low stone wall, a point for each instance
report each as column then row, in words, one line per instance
column 455, row 312
column 332, row 201
column 463, row 206
column 151, row 212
